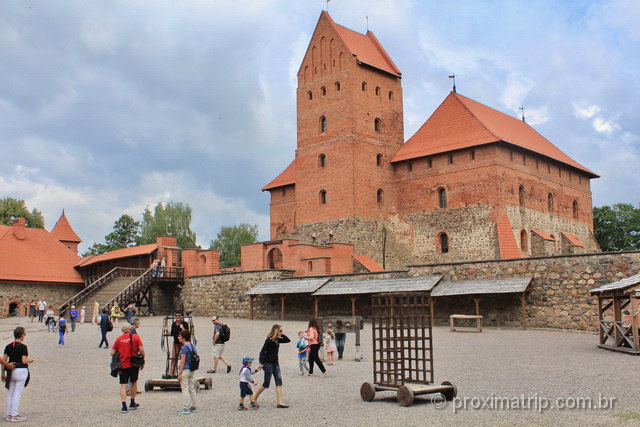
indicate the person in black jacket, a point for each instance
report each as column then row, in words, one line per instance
column 269, row 363
column 104, row 328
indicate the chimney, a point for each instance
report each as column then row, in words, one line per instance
column 18, row 228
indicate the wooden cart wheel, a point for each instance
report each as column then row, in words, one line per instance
column 449, row 394
column 367, row 392
column 208, row 383
column 405, row 396
column 148, row 386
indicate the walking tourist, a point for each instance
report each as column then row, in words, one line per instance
column 303, row 351
column 62, row 328
column 330, row 345
column 95, row 318
column 83, row 313
column 341, row 338
column 115, row 313
column 73, row 317
column 103, row 324
column 49, row 320
column 245, row 380
column 220, row 337
column 16, row 378
column 128, row 345
column 32, row 309
column 178, row 325
column 187, row 372
column 270, row 364
column 313, row 335
column 42, row 305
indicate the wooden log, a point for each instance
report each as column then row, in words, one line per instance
column 367, row 392
column 405, row 396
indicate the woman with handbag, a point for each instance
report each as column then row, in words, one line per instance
column 105, row 326
column 129, row 347
column 270, row 364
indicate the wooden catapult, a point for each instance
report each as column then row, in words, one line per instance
column 403, row 349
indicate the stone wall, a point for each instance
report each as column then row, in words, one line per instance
column 23, row 293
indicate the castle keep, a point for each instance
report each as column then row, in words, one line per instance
column 471, row 184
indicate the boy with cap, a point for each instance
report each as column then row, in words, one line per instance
column 245, row 379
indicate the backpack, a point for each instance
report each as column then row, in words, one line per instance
column 225, row 333
column 194, row 364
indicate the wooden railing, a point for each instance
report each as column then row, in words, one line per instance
column 129, row 294
column 169, row 273
column 96, row 286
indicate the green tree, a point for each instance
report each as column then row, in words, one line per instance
column 228, row 242
column 15, row 208
column 124, row 235
column 173, row 218
column 617, row 227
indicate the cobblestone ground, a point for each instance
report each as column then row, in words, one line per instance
column 72, row 386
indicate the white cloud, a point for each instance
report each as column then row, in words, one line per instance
column 603, row 125
column 583, row 111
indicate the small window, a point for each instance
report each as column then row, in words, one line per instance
column 511, row 155
column 575, row 209
column 550, row 202
column 559, row 172
column 523, row 242
column 310, row 95
column 337, row 86
column 549, row 168
column 579, row 179
column 442, row 198
column 521, row 195
column 450, row 159
column 380, row 196
column 323, row 197
column 443, row 239
column 323, row 124
column 429, row 163
column 334, row 62
column 377, row 125
column 377, row 90
column 322, row 160
column 390, row 96
column 524, row 159
column 284, row 191
column 323, row 90
column 537, row 165
column 379, row 160
column 409, row 166
column 310, row 266
column 473, row 154
column 364, row 86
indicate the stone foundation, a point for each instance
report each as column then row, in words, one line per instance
column 22, row 293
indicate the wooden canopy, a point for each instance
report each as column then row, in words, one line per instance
column 282, row 288
column 374, row 286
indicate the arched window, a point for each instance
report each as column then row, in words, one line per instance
column 322, row 160
column 274, row 259
column 364, row 86
column 443, row 241
column 379, row 160
column 310, row 266
column 323, row 197
column 203, row 259
column 390, row 96
column 523, row 242
column 377, row 90
column 337, row 86
column 323, row 90
column 550, row 202
column 521, row 195
column 377, row 124
column 323, row 124
column 380, row 196
column 442, row 198
column 575, row 209
column 310, row 95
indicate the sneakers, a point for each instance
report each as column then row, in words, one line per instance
column 134, row 405
column 184, row 411
column 282, row 406
column 242, row 408
column 123, row 410
column 228, row 369
column 18, row 419
column 254, row 405
column 193, row 409
column 211, row 371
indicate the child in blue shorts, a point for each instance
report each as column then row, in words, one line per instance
column 245, row 388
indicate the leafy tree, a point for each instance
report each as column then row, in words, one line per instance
column 228, row 242
column 124, row 235
column 15, row 208
column 173, row 219
column 617, row 227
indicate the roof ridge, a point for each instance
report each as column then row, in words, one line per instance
column 382, row 51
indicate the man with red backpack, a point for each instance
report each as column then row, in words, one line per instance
column 221, row 334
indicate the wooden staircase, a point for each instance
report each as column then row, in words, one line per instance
column 111, row 290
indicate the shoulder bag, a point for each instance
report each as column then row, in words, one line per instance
column 137, row 360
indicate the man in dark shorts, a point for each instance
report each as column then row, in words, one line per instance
column 124, row 345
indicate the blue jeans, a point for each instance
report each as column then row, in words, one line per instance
column 51, row 326
column 341, row 338
column 272, row 369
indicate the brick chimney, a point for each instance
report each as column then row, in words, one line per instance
column 18, row 228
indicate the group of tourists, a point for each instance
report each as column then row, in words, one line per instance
column 37, row 309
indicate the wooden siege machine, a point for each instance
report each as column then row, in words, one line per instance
column 403, row 349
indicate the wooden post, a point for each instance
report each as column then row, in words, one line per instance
column 634, row 328
column 251, row 297
column 353, row 305
column 600, row 319
column 523, row 311
column 617, row 320
column 282, row 298
column 316, row 300
column 477, row 301
column 432, row 304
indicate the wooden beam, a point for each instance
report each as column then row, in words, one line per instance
column 353, row 304
column 251, row 297
column 617, row 317
column 316, row 300
column 634, row 328
column 432, row 305
column 282, row 298
column 477, row 301
column 523, row 311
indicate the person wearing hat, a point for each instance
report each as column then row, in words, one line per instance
column 245, row 380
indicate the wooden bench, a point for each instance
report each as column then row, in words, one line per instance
column 453, row 328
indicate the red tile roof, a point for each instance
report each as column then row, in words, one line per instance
column 63, row 231
column 287, row 177
column 573, row 239
column 118, row 253
column 368, row 263
column 544, row 235
column 460, row 122
column 506, row 239
column 39, row 257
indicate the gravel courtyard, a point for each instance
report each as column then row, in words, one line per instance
column 72, row 386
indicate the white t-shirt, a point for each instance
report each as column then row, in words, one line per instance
column 42, row 305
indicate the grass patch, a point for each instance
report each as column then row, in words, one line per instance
column 629, row 416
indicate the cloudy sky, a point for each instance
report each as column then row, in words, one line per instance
column 109, row 107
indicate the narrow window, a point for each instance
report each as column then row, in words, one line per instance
column 429, row 163
column 549, row 168
column 579, row 179
column 444, row 243
column 537, row 165
column 377, row 90
column 364, row 86
column 442, row 198
column 323, row 90
column 409, row 166
column 473, row 154
column 524, row 159
column 377, row 125
column 550, row 202
column 511, row 155
column 322, row 160
column 323, row 124
column 523, row 242
column 380, row 196
column 559, row 172
column 310, row 95
column 379, row 160
column 284, row 191
column 323, row 197
column 310, row 266
column 337, row 86
column 390, row 96
column 521, row 195
column 334, row 62
column 575, row 209
column 450, row 159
